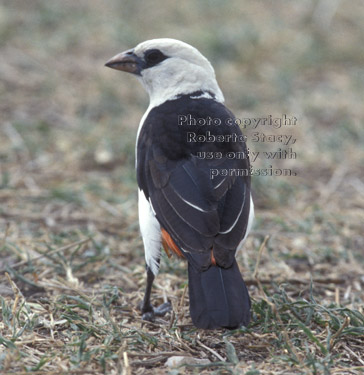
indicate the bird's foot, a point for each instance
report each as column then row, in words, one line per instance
column 149, row 312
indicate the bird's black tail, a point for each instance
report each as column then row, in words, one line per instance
column 218, row 297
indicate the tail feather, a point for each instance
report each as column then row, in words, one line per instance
column 218, row 297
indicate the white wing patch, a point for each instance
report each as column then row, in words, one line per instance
column 151, row 233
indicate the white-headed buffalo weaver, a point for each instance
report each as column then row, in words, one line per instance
column 201, row 216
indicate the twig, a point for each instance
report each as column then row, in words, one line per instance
column 173, row 316
column 339, row 331
column 217, row 355
column 337, row 296
column 16, row 292
column 184, row 345
column 354, row 354
column 181, row 302
column 126, row 368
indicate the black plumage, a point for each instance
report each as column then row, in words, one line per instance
column 184, row 204
column 169, row 173
column 199, row 213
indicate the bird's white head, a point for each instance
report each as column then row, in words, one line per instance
column 168, row 68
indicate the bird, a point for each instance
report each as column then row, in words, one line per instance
column 193, row 199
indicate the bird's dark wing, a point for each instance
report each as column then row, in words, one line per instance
column 198, row 199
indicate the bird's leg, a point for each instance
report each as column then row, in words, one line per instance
column 146, row 306
column 148, row 311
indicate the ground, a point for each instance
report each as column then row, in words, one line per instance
column 72, row 264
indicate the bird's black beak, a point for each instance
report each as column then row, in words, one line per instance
column 126, row 61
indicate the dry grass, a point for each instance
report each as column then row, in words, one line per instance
column 72, row 268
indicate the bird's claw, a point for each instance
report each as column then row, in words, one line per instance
column 151, row 312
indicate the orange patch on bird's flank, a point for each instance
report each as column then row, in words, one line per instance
column 213, row 260
column 169, row 244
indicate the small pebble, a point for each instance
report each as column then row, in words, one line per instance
column 180, row 360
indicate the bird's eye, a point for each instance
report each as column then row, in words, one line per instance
column 154, row 56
